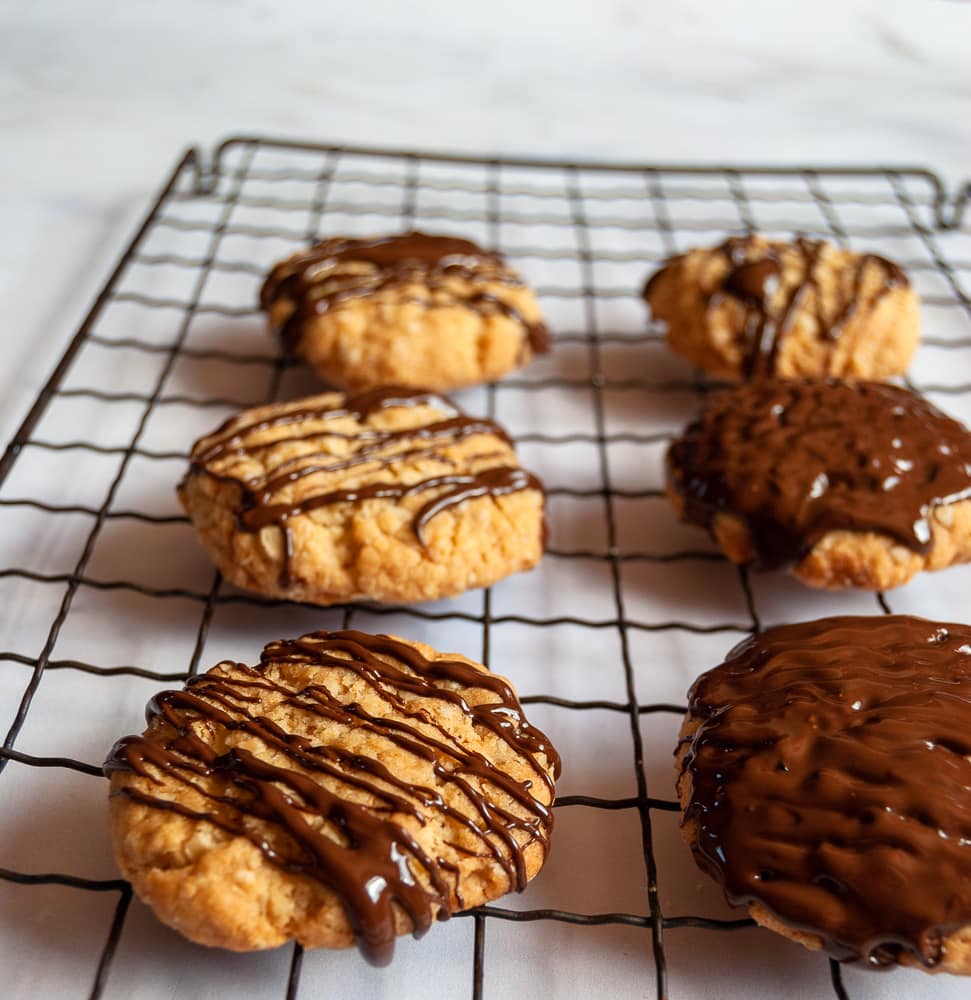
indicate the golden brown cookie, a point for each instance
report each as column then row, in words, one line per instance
column 851, row 484
column 753, row 307
column 350, row 786
column 433, row 312
column 391, row 495
column 824, row 770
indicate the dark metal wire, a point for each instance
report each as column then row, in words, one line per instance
column 642, row 198
column 589, row 289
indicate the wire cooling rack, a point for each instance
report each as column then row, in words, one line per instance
column 108, row 597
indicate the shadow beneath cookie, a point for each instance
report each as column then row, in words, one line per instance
column 780, row 598
column 137, row 566
column 651, row 360
column 65, row 830
column 576, row 524
column 57, row 817
column 623, row 358
column 596, row 864
column 55, row 821
column 766, row 963
column 153, row 555
column 158, row 579
column 160, row 961
column 224, row 358
column 722, row 931
column 649, row 388
column 238, row 360
column 567, row 359
column 49, row 928
column 650, row 526
column 643, row 526
column 698, row 592
column 650, row 411
column 299, row 380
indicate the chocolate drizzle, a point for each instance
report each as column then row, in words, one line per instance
column 797, row 459
column 320, row 467
column 775, row 282
column 829, row 780
column 339, row 270
column 341, row 816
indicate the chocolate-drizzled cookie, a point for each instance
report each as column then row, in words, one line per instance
column 412, row 309
column 349, row 787
column 754, row 307
column 390, row 495
column 824, row 771
column 852, row 485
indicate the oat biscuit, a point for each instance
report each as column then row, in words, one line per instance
column 433, row 312
column 850, row 484
column 393, row 495
column 754, row 307
column 823, row 770
column 350, row 786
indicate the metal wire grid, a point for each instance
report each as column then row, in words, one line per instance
column 584, row 220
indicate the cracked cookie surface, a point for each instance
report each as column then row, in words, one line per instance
column 754, row 307
column 348, row 787
column 414, row 309
column 393, row 495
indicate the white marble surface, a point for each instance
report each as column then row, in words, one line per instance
column 97, row 99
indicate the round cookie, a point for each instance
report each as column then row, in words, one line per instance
column 393, row 495
column 348, row 787
column 851, row 484
column 824, row 770
column 754, row 307
column 413, row 309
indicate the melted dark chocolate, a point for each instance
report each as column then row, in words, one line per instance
column 829, row 780
column 267, row 499
column 797, row 459
column 433, row 261
column 772, row 299
column 362, row 852
column 754, row 283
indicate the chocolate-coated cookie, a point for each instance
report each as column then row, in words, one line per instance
column 824, row 771
column 850, row 484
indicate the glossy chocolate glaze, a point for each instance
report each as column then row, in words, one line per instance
column 407, row 258
column 772, row 298
column 797, row 459
column 829, row 780
column 261, row 500
column 364, row 853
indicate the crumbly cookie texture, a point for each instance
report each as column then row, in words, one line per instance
column 414, row 309
column 848, row 485
column 349, row 787
column 782, row 765
column 864, row 560
column 393, row 495
column 753, row 307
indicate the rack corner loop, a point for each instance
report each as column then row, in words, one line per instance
column 203, row 169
